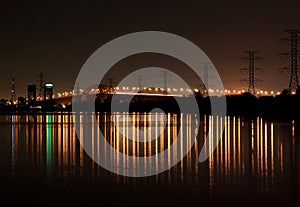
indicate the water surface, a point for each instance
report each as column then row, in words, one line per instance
column 43, row 163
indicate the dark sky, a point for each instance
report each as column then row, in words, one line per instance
column 56, row 38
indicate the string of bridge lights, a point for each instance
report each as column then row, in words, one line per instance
column 151, row 90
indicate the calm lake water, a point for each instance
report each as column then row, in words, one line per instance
column 43, row 163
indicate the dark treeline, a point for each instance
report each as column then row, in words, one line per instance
column 278, row 107
column 281, row 106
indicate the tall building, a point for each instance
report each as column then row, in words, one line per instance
column 31, row 92
column 48, row 91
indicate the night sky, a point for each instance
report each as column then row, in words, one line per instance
column 57, row 38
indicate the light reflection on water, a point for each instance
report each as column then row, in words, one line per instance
column 254, row 156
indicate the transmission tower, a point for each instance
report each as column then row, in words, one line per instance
column 111, row 84
column 205, row 69
column 139, row 79
column 77, row 90
column 293, row 55
column 41, row 83
column 165, row 80
column 205, row 86
column 251, row 69
column 13, row 89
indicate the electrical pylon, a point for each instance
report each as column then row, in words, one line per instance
column 293, row 55
column 251, row 69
